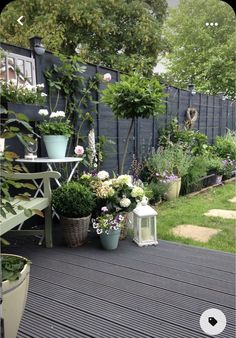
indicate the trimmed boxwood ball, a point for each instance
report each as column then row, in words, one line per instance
column 73, row 200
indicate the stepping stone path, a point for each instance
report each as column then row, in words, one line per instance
column 227, row 214
column 195, row 232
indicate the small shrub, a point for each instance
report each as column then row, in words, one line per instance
column 73, row 200
column 225, row 146
column 198, row 169
column 173, row 160
column 155, row 191
column 195, row 141
column 215, row 164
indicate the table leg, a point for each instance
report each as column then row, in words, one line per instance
column 72, row 171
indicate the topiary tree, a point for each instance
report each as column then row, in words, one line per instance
column 135, row 96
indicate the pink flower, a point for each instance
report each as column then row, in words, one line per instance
column 107, row 77
column 79, row 150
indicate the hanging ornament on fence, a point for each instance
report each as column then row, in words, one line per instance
column 191, row 117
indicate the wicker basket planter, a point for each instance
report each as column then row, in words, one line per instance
column 75, row 230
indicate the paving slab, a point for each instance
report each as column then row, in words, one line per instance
column 233, row 200
column 195, row 232
column 227, row 214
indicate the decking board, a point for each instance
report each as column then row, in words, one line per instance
column 154, row 292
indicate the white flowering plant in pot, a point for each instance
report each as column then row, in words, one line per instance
column 120, row 193
column 16, row 91
column 55, row 124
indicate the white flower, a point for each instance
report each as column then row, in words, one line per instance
column 123, row 179
column 44, row 94
column 125, row 202
column 99, row 231
column 91, row 145
column 137, row 192
column 60, row 113
column 40, row 85
column 103, row 175
column 107, row 77
column 53, row 115
column 43, row 112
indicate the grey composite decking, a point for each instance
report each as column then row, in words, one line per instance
column 153, row 292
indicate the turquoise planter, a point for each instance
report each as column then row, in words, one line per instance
column 110, row 241
column 56, row 145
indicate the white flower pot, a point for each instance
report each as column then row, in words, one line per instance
column 14, row 295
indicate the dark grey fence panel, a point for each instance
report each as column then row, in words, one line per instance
column 215, row 115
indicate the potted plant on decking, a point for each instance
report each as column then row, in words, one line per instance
column 74, row 203
column 108, row 225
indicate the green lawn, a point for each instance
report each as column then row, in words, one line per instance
column 190, row 210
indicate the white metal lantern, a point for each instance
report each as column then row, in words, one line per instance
column 144, row 221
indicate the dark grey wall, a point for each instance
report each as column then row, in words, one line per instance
column 215, row 115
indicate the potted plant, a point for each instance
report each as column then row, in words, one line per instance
column 74, row 203
column 168, row 166
column 15, row 282
column 56, row 132
column 108, row 225
column 120, row 193
column 215, row 166
column 133, row 97
column 22, row 97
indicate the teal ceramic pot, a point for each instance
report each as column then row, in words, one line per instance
column 110, row 241
column 56, row 145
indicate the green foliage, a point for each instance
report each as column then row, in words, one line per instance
column 73, row 200
column 134, row 96
column 66, row 80
column 195, row 141
column 16, row 126
column 215, row 164
column 168, row 161
column 11, row 267
column 200, row 54
column 155, row 191
column 120, row 34
column 21, row 94
column 225, row 146
column 191, row 180
column 56, row 128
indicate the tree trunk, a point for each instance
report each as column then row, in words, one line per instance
column 126, row 147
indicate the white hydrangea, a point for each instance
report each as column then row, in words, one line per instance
column 137, row 192
column 123, row 179
column 103, row 175
column 43, row 94
column 43, row 112
column 125, row 202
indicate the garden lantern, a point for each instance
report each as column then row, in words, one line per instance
column 144, row 221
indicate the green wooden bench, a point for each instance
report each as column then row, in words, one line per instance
column 40, row 203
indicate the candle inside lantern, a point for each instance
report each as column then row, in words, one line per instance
column 146, row 234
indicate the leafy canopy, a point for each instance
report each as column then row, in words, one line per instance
column 119, row 34
column 200, row 54
column 134, row 96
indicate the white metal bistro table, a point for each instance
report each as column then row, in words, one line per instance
column 50, row 162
